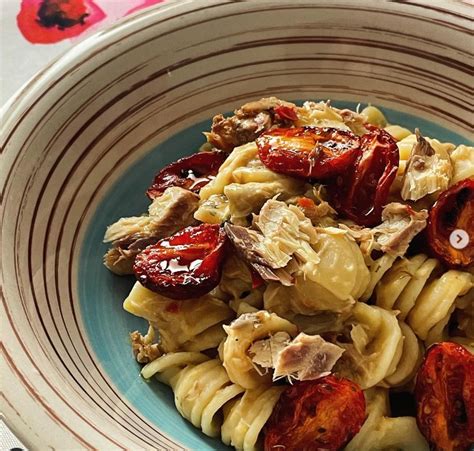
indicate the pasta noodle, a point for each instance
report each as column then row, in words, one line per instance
column 244, row 331
column 375, row 348
column 423, row 297
column 204, row 393
column 305, row 272
column 462, row 158
column 398, row 132
column 380, row 432
column 377, row 269
column 462, row 313
column 409, row 361
column 246, row 184
column 177, row 323
column 374, row 116
column 236, row 287
column 339, row 278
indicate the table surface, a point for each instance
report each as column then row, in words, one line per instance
column 22, row 54
column 31, row 35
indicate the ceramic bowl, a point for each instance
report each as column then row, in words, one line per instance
column 83, row 139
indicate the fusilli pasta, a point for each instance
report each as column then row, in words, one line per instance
column 206, row 397
column 423, row 296
column 376, row 346
column 243, row 184
column 380, row 432
column 241, row 334
column 176, row 321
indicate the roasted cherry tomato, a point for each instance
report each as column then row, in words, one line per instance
column 323, row 414
column 191, row 172
column 445, row 397
column 186, row 265
column 362, row 195
column 454, row 210
column 286, row 112
column 310, row 152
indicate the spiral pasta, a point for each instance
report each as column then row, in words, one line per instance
column 462, row 314
column 377, row 270
column 374, row 116
column 376, row 346
column 463, row 163
column 206, row 397
column 398, row 132
column 408, row 361
column 381, row 432
column 242, row 186
column 465, row 314
column 176, row 321
column 414, row 287
column 236, row 287
column 244, row 331
column 339, row 278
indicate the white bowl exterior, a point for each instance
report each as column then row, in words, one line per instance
column 74, row 129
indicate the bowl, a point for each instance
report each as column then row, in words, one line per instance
column 82, row 140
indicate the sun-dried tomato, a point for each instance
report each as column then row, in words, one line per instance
column 309, row 152
column 186, row 265
column 191, row 172
column 323, row 414
column 362, row 194
column 445, row 397
column 454, row 210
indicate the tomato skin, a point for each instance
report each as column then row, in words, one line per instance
column 186, row 265
column 444, row 393
column 192, row 173
column 257, row 280
column 454, row 209
column 362, row 195
column 322, row 414
column 286, row 113
column 308, row 152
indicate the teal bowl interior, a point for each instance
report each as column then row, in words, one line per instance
column 101, row 293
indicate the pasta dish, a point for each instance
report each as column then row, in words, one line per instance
column 307, row 277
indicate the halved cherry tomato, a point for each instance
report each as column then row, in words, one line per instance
column 186, row 265
column 286, row 112
column 310, row 152
column 454, row 210
column 445, row 397
column 191, row 172
column 362, row 195
column 323, row 414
